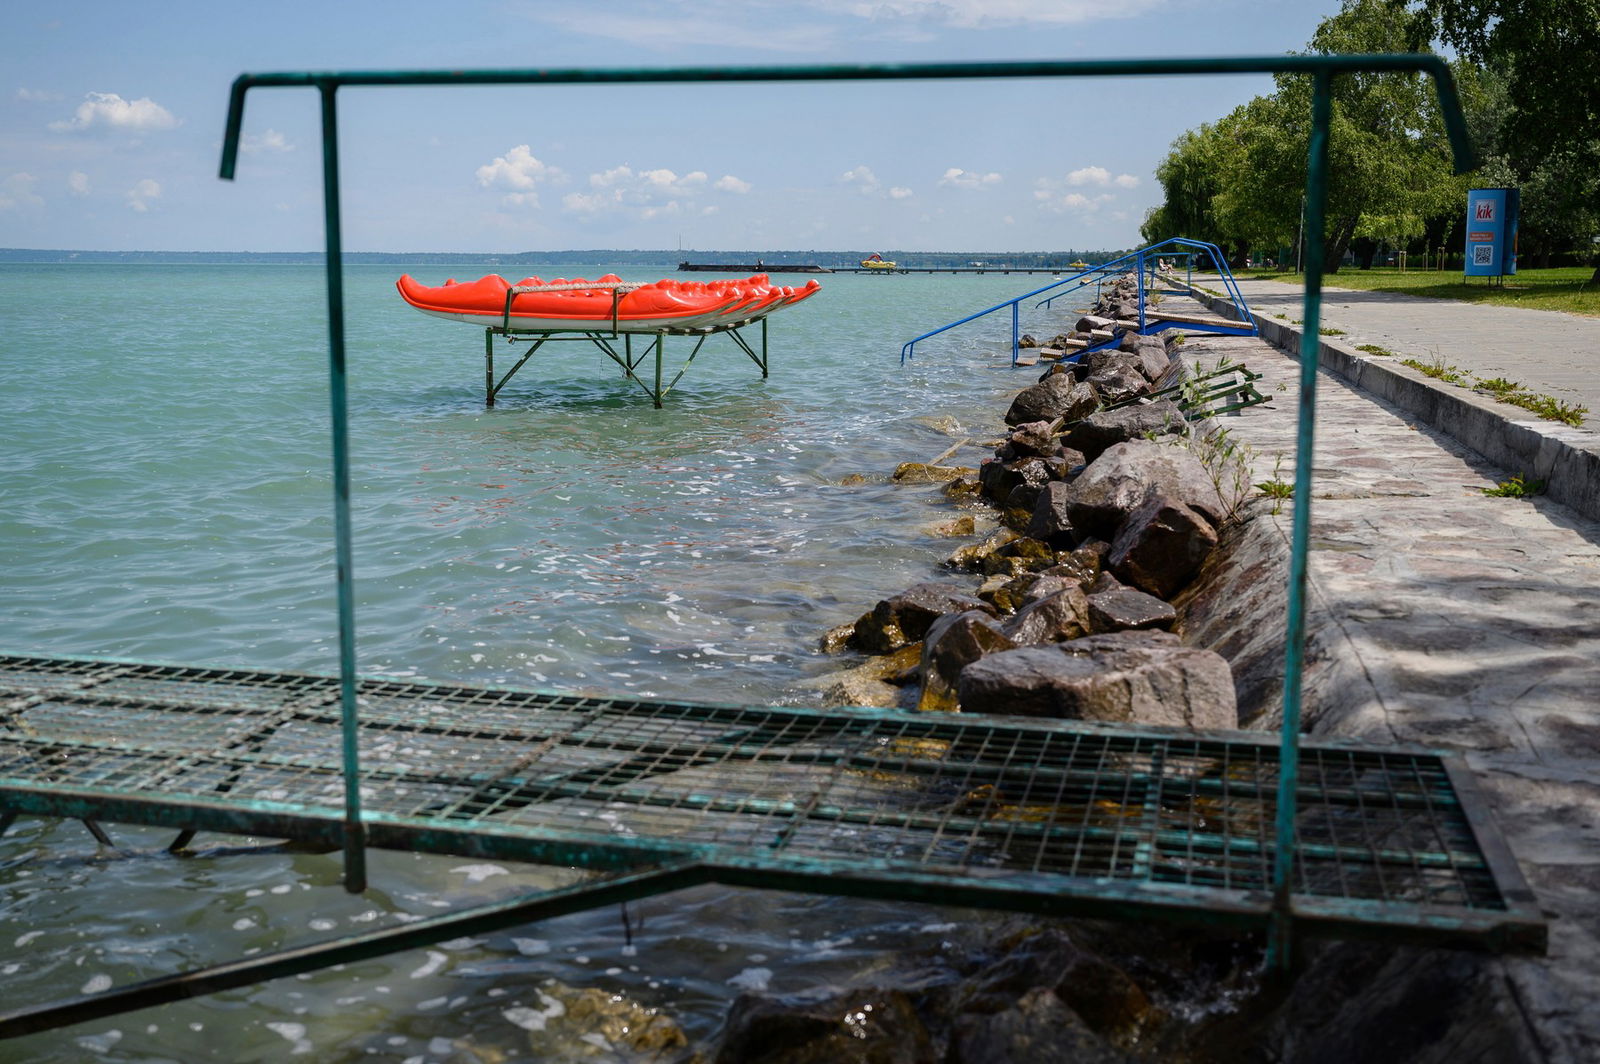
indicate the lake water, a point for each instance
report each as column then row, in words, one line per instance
column 166, row 496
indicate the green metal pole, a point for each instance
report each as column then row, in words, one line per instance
column 1279, row 941
column 355, row 853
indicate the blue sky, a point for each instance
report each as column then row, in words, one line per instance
column 111, row 126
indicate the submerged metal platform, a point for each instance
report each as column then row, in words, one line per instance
column 1000, row 812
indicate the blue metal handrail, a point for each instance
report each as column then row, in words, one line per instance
column 1134, row 262
column 1096, row 272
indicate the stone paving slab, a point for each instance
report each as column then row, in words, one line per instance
column 1440, row 616
column 1549, row 352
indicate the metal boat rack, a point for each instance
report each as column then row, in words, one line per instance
column 605, row 340
column 1044, row 816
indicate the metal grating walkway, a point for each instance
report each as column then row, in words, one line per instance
column 1046, row 816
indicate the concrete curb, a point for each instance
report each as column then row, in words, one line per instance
column 1566, row 459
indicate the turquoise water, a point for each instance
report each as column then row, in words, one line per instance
column 166, row 496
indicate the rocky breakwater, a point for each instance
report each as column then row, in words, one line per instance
column 1104, row 514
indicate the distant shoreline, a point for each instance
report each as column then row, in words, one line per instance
column 632, row 257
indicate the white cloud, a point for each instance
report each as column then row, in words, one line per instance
column 647, row 194
column 694, row 24
column 17, row 191
column 866, row 182
column 1100, row 177
column 863, row 178
column 969, row 14
column 108, row 110
column 959, row 178
column 140, row 195
column 522, row 173
column 78, row 183
column 269, row 141
column 37, row 96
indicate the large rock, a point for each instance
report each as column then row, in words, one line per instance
column 866, row 1024
column 1118, row 377
column 1096, row 433
column 1121, row 609
column 1102, row 994
column 1000, row 478
column 1151, row 353
column 1059, row 395
column 904, row 618
column 1052, row 518
column 875, row 682
column 1031, row 440
column 1141, row 680
column 1116, row 483
column 922, row 473
column 973, row 556
column 953, row 642
column 1161, row 545
column 1038, row 1028
column 1056, row 617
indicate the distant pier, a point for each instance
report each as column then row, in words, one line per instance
column 811, row 267
column 758, row 267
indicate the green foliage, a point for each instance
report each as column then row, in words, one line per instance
column 1529, row 79
column 1277, row 489
column 1438, row 369
column 1546, row 406
column 1503, row 391
column 1226, row 461
column 1374, row 349
column 1516, row 488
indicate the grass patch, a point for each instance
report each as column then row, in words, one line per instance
column 1438, row 369
column 1374, row 349
column 1331, row 332
column 1516, row 488
column 1546, row 406
column 1565, row 289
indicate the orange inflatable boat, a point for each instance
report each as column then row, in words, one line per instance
column 578, row 305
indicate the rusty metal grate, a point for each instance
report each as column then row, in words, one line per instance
column 1003, row 812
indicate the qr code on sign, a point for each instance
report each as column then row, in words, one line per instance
column 1483, row 255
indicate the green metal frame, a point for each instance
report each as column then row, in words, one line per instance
column 1020, row 814
column 1320, row 68
column 626, row 358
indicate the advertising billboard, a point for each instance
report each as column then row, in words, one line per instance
column 1492, row 231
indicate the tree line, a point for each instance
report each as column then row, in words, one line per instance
column 1529, row 76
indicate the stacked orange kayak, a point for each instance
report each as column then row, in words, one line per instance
column 584, row 306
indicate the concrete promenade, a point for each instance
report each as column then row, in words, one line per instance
column 1443, row 617
column 1549, row 352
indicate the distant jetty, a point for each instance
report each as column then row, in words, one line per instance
column 759, row 267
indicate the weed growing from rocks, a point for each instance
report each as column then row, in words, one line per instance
column 1226, row 461
column 1374, row 349
column 1438, row 369
column 1277, row 489
column 1516, row 488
